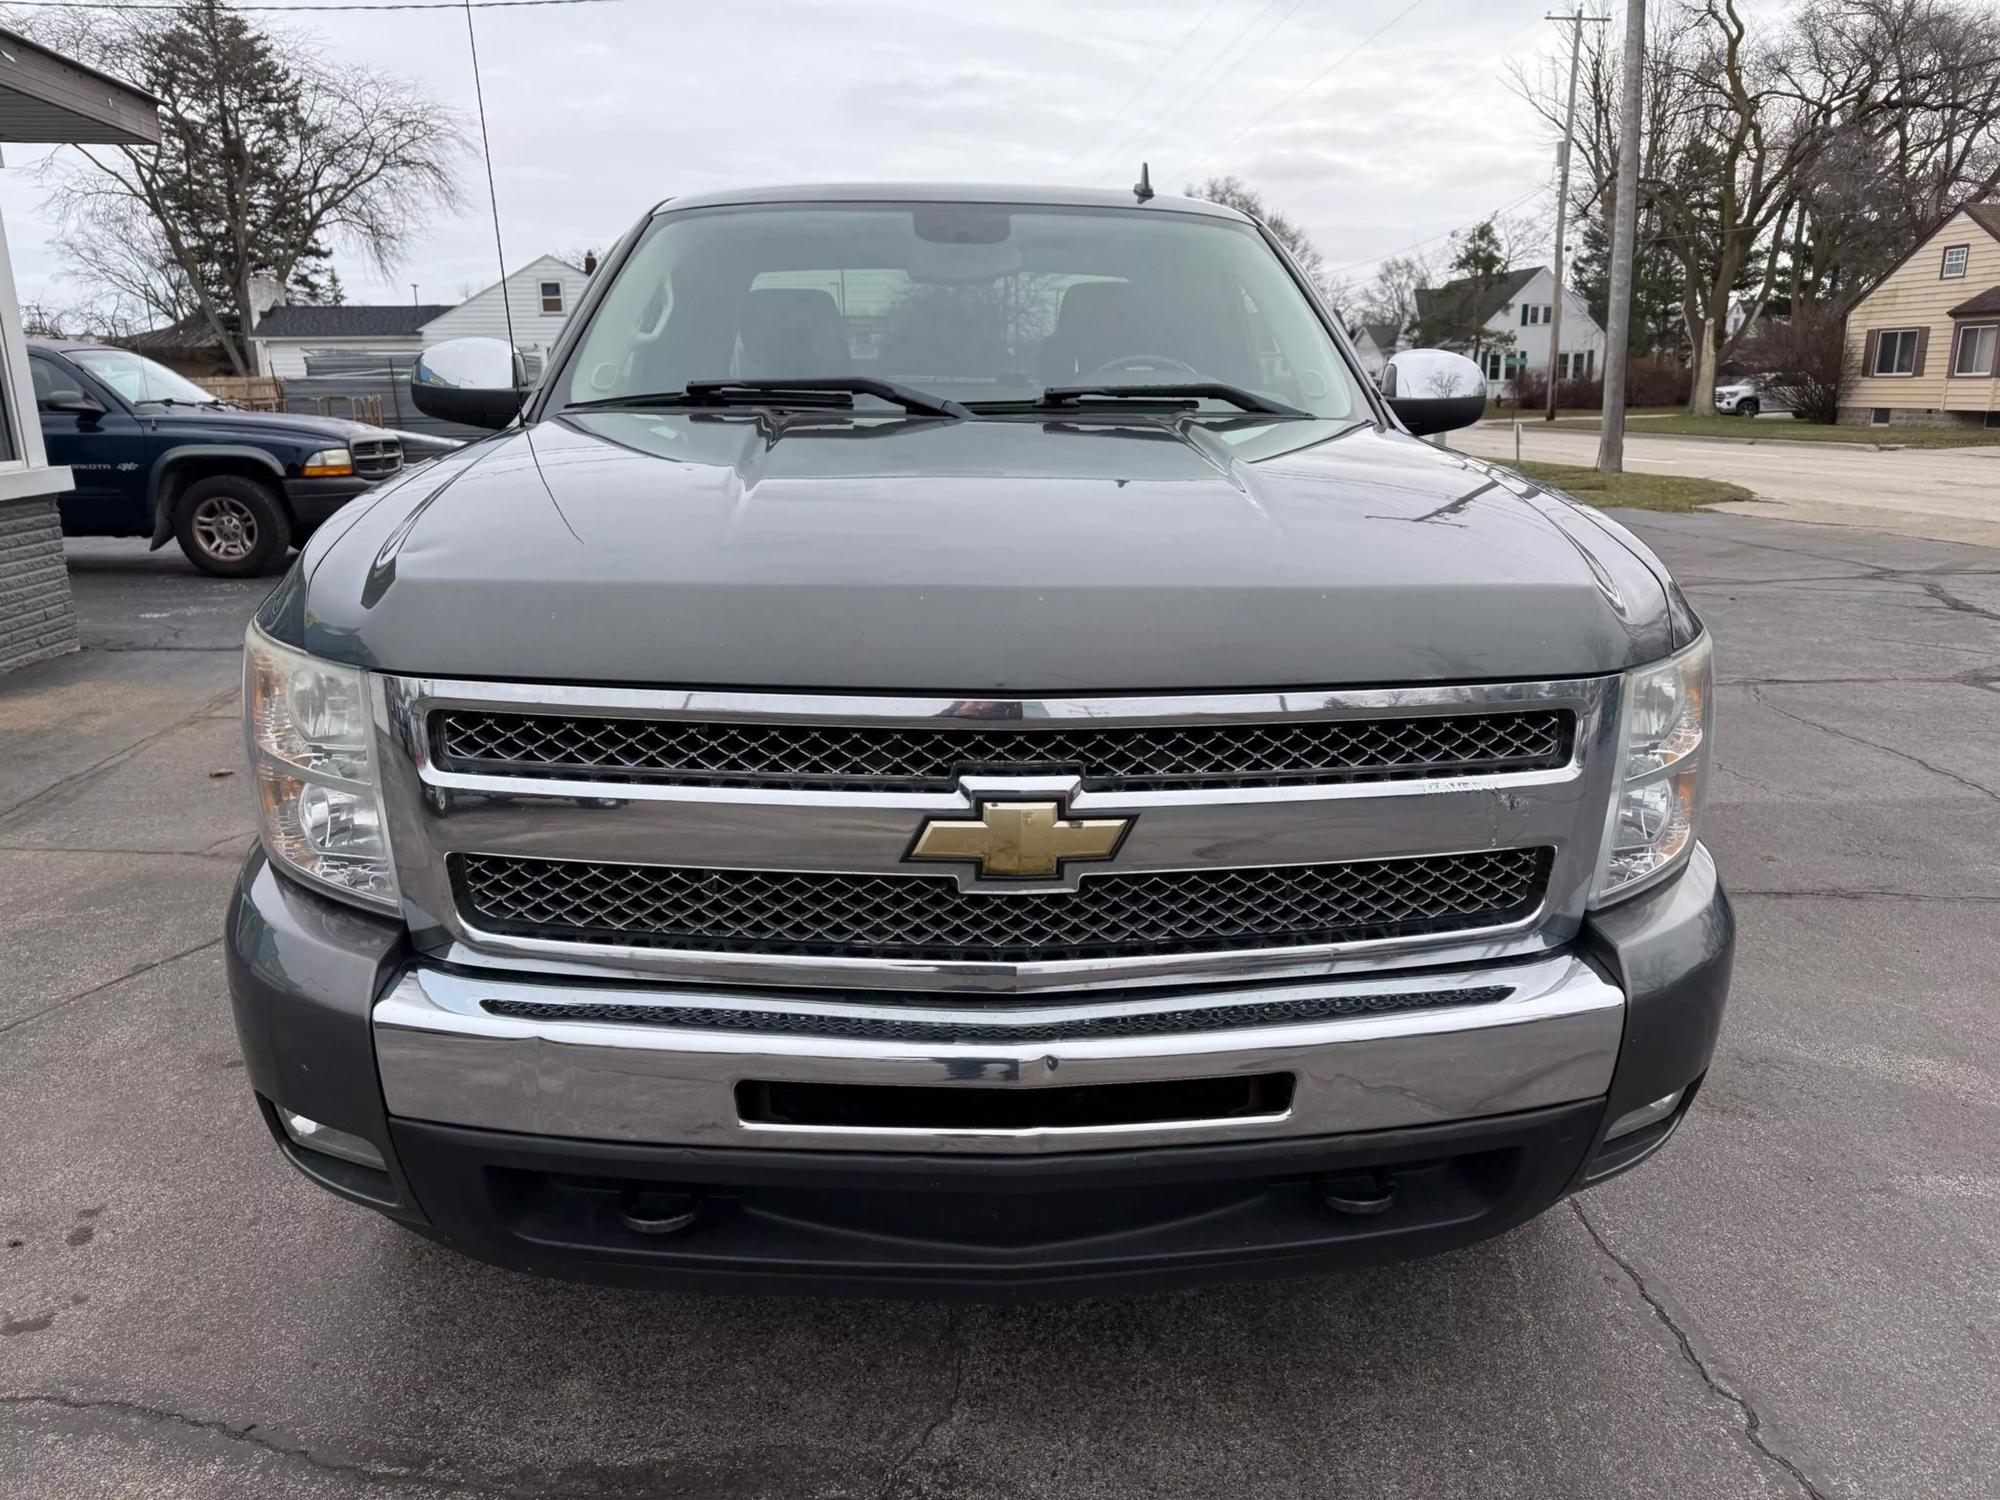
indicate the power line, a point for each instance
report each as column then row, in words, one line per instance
column 1223, row 76
column 1349, row 53
column 1433, row 239
column 302, row 10
column 1116, row 151
column 1158, row 69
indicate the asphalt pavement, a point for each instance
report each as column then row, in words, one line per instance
column 1952, row 494
column 1797, row 1298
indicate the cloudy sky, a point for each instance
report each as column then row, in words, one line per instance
column 1376, row 123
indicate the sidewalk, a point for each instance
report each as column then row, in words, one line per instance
column 1938, row 494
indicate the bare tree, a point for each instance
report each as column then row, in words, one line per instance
column 271, row 156
column 1233, row 192
column 1803, row 359
column 1918, row 135
column 1796, row 157
column 1391, row 296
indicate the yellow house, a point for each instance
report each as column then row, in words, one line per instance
column 1925, row 341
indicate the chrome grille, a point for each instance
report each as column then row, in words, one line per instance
column 376, row 458
column 1122, row 758
column 1292, row 1012
column 924, row 917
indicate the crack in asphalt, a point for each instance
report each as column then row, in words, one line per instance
column 138, row 650
column 115, row 759
column 1955, row 604
column 1737, row 893
column 98, row 989
column 248, row 1434
column 1868, row 569
column 953, row 1409
column 220, row 850
column 1987, row 792
column 1753, row 1422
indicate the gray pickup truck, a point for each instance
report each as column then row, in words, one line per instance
column 954, row 744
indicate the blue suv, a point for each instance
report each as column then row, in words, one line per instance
column 155, row 455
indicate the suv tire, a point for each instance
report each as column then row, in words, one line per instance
column 232, row 526
column 1747, row 407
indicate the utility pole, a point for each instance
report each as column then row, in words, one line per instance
column 1624, row 235
column 1576, row 23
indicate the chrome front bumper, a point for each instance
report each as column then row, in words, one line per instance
column 444, row 1057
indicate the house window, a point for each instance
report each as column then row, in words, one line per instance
column 552, row 296
column 1534, row 313
column 1495, row 367
column 1974, row 355
column 1955, row 257
column 1878, row 416
column 1895, row 352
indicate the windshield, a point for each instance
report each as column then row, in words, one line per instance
column 137, row 378
column 974, row 302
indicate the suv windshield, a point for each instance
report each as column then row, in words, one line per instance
column 138, row 379
column 968, row 301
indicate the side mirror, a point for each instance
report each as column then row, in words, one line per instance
column 72, row 401
column 1434, row 390
column 474, row 382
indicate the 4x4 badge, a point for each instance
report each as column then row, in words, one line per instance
column 1020, row 840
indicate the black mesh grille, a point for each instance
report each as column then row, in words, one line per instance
column 929, row 917
column 1108, row 758
column 903, row 1029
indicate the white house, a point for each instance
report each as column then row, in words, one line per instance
column 289, row 339
column 1521, row 304
column 541, row 296
column 294, row 342
column 1374, row 343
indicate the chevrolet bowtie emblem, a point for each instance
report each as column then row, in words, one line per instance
column 1020, row 840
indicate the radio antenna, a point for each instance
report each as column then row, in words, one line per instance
column 492, row 196
column 1143, row 188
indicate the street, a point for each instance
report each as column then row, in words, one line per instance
column 1947, row 493
column 1797, row 1298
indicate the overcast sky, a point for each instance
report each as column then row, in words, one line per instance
column 597, row 111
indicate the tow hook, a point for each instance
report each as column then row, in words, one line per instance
column 647, row 1210
column 1370, row 1192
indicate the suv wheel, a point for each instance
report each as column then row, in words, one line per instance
column 1747, row 407
column 232, row 526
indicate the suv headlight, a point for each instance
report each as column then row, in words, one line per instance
column 319, row 803
column 329, row 463
column 1664, row 738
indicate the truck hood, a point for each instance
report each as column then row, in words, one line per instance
column 832, row 551
column 227, row 423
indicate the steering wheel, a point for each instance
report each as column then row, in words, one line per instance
column 1153, row 364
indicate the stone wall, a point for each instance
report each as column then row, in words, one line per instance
column 1912, row 416
column 36, row 619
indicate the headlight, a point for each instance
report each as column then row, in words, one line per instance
column 318, row 802
column 1665, row 730
column 329, row 463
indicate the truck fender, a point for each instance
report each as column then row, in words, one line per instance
column 157, row 480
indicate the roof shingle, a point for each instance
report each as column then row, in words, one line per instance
column 1462, row 302
column 1983, row 305
column 379, row 320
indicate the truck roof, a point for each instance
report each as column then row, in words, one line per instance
column 952, row 192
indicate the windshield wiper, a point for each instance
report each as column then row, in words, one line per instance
column 1180, row 393
column 835, row 391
